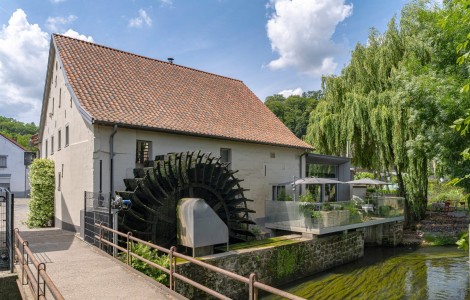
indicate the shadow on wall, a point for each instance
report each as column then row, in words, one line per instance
column 66, row 222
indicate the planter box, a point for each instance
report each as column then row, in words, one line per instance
column 334, row 218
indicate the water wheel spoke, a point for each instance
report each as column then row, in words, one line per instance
column 157, row 190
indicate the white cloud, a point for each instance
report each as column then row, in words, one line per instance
column 287, row 93
column 166, row 2
column 73, row 34
column 24, row 49
column 142, row 19
column 57, row 23
column 300, row 32
column 57, row 1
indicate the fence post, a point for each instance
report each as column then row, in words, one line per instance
column 41, row 267
column 101, row 236
column 172, row 268
column 253, row 291
column 11, row 249
column 129, row 248
column 23, row 263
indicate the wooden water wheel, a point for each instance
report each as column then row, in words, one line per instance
column 155, row 193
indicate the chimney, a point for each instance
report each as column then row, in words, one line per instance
column 170, row 60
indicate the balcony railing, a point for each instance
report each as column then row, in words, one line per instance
column 328, row 217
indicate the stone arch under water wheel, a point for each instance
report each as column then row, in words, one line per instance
column 155, row 193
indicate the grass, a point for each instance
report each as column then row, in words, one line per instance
column 440, row 240
column 269, row 242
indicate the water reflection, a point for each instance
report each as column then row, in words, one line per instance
column 399, row 273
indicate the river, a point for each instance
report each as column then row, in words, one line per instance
column 392, row 273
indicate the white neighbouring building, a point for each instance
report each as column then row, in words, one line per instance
column 99, row 100
column 14, row 166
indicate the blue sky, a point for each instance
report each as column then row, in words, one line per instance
column 273, row 46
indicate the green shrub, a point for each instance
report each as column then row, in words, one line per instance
column 151, row 255
column 307, row 197
column 282, row 196
column 384, row 210
column 41, row 205
column 462, row 243
column 440, row 240
column 327, row 207
column 362, row 175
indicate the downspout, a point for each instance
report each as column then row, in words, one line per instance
column 111, row 157
column 300, row 170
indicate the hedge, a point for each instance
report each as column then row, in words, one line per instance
column 41, row 205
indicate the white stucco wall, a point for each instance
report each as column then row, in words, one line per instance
column 74, row 162
column 79, row 162
column 250, row 159
column 17, row 171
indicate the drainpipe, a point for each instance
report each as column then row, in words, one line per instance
column 111, row 157
column 300, row 171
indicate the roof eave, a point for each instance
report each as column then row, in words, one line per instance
column 179, row 132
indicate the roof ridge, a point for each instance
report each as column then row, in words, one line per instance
column 146, row 57
column 14, row 142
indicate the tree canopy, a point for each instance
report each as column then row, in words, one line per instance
column 394, row 103
column 19, row 131
column 295, row 110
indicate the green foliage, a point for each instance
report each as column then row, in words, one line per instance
column 327, row 207
column 362, row 175
column 354, row 213
column 394, row 102
column 41, row 205
column 307, row 197
column 283, row 196
column 19, row 131
column 384, row 210
column 151, row 255
column 389, row 192
column 462, row 243
column 294, row 110
column 440, row 240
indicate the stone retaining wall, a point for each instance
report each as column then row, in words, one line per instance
column 275, row 265
column 392, row 234
column 387, row 234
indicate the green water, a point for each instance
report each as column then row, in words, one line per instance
column 400, row 273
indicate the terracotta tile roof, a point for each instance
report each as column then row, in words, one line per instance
column 14, row 142
column 114, row 86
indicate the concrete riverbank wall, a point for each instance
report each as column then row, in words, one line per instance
column 274, row 265
column 387, row 234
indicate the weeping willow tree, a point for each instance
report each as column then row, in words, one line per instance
column 390, row 104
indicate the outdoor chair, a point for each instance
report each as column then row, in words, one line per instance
column 448, row 207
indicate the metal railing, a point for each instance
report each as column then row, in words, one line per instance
column 251, row 281
column 37, row 278
column 311, row 216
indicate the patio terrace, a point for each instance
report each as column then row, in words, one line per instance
column 323, row 218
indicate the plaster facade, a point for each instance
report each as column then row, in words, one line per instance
column 14, row 174
column 73, row 156
column 77, row 157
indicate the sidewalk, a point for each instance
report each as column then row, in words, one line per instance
column 82, row 271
